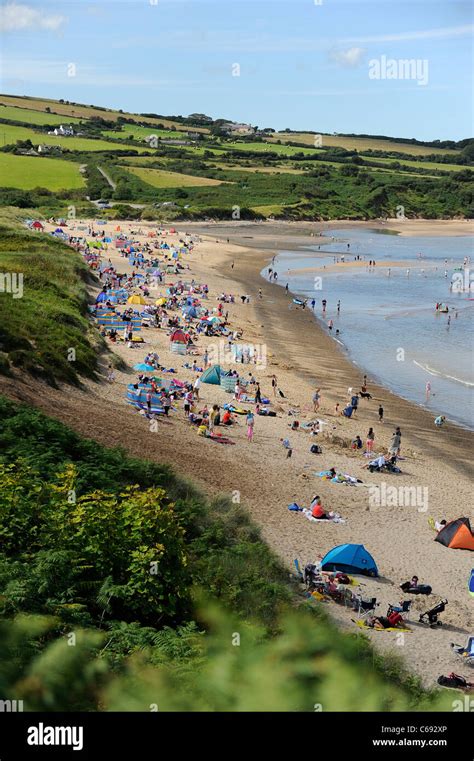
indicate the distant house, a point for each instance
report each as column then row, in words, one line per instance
column 24, row 152
column 234, row 128
column 45, row 150
column 62, row 131
column 194, row 135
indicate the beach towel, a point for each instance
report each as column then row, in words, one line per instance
column 364, row 625
column 336, row 519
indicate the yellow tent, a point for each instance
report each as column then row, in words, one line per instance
column 136, row 300
column 160, row 302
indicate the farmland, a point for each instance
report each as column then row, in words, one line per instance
column 84, row 112
column 27, row 172
column 346, row 177
column 162, row 179
column 357, row 143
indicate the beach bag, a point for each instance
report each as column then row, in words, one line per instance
column 295, row 507
column 315, row 449
column 453, row 680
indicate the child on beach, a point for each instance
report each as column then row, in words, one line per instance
column 369, row 444
column 250, row 424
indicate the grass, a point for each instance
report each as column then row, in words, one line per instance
column 39, row 329
column 359, row 143
column 258, row 169
column 161, row 179
column 29, row 116
column 86, row 112
column 9, row 134
column 140, row 133
column 267, row 147
column 28, row 172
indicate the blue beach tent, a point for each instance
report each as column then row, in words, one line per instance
column 350, row 558
column 471, row 583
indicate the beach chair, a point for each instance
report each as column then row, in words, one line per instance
column 299, row 572
column 403, row 608
column 467, row 652
column 365, row 606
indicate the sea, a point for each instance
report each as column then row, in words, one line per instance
column 388, row 323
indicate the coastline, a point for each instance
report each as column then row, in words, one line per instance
column 303, row 357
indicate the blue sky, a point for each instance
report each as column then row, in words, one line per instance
column 301, row 64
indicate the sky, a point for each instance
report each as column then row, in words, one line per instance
column 320, row 65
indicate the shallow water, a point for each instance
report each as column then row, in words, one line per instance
column 388, row 323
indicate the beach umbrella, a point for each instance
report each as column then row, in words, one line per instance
column 144, row 368
column 136, row 299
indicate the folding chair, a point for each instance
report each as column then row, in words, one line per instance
column 403, row 608
column 365, row 606
column 467, row 652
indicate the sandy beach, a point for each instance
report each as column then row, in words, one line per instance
column 229, row 259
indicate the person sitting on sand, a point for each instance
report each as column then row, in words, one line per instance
column 439, row 421
column 356, row 443
column 317, row 510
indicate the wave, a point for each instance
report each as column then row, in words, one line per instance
column 432, row 371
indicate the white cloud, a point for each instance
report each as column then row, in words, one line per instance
column 16, row 18
column 351, row 57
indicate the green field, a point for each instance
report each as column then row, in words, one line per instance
column 85, row 112
column 33, row 117
column 160, row 179
column 139, row 133
column 9, row 134
column 358, row 143
column 27, row 172
column 284, row 150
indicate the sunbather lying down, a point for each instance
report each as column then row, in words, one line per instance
column 385, row 622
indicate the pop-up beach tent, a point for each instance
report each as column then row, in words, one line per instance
column 212, row 375
column 350, row 558
column 457, row 535
column 471, row 583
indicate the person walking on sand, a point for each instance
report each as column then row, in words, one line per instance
column 316, row 400
column 206, row 359
column 396, row 442
column 196, row 386
column 370, row 441
column 274, row 385
column 380, row 414
column 250, row 424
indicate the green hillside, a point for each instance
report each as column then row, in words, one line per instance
column 206, row 171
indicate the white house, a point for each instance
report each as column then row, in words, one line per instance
column 62, row 131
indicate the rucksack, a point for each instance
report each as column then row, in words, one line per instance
column 453, row 680
column 315, row 449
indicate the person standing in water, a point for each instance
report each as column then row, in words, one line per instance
column 428, row 390
column 339, row 306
